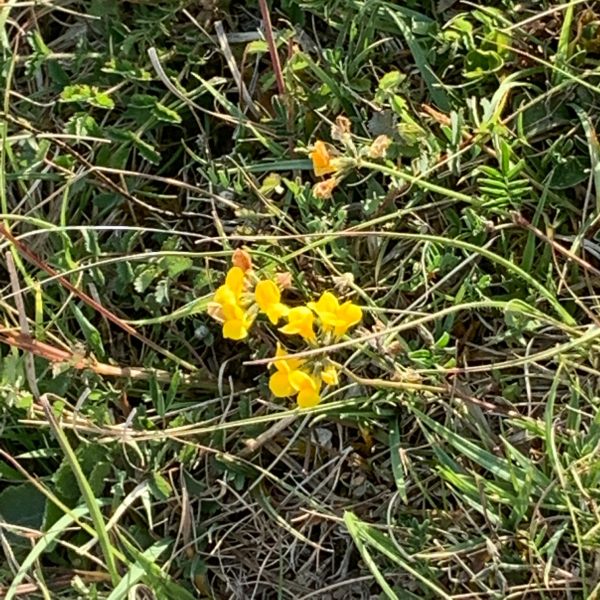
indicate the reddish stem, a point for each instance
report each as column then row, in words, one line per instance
column 266, row 16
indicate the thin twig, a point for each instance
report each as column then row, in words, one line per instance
column 24, row 324
column 38, row 262
column 521, row 221
column 76, row 361
column 266, row 16
column 235, row 72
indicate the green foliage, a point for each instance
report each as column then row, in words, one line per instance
column 462, row 447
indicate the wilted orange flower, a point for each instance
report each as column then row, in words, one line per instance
column 284, row 280
column 242, row 260
column 379, row 146
column 324, row 189
column 321, row 159
column 341, row 129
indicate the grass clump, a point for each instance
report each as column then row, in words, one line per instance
column 395, row 394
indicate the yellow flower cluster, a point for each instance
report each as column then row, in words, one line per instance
column 238, row 302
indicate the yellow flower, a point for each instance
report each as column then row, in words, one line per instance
column 279, row 382
column 307, row 386
column 227, row 306
column 321, row 159
column 300, row 321
column 236, row 323
column 335, row 317
column 330, row 375
column 268, row 298
column 231, row 291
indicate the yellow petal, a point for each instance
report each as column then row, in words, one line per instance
column 280, row 385
column 328, row 303
column 232, row 312
column 302, row 381
column 235, row 280
column 330, row 376
column 266, row 294
column 326, row 308
column 225, row 295
column 308, row 398
column 288, row 364
column 350, row 313
column 235, row 329
column 276, row 312
column 281, row 365
column 300, row 321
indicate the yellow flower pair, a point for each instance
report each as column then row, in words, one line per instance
column 289, row 379
column 332, row 317
column 236, row 308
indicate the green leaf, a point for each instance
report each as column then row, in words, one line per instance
column 479, row 63
column 144, row 278
column 86, row 94
column 65, row 483
column 138, row 570
column 98, row 475
column 362, row 534
column 147, row 150
column 160, row 487
column 108, row 550
column 175, row 265
column 568, row 173
column 432, row 81
column 141, row 101
column 22, row 505
column 91, row 334
column 257, row 47
column 164, row 113
column 353, row 525
column 76, row 93
column 102, row 100
column 82, row 124
column 397, row 468
column 46, row 541
column 161, row 292
column 391, row 81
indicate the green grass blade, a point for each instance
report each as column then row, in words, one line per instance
column 563, row 51
column 433, row 83
column 138, row 569
column 86, row 492
column 46, row 540
column 353, row 526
